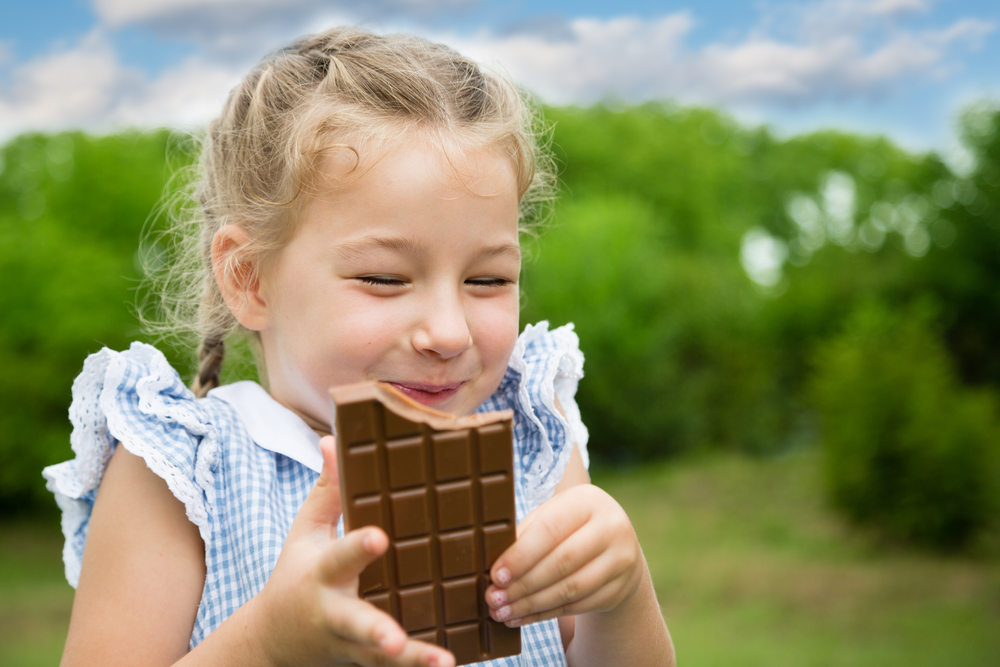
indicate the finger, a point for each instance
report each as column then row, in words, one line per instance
column 414, row 654
column 359, row 622
column 322, row 505
column 345, row 559
column 569, row 556
column 589, row 589
column 596, row 601
column 555, row 520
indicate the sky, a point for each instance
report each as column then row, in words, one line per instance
column 901, row 68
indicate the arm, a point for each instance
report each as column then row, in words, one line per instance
column 137, row 599
column 574, row 475
column 577, row 558
column 144, row 570
column 632, row 634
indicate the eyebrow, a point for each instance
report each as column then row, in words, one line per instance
column 510, row 250
column 397, row 244
column 405, row 246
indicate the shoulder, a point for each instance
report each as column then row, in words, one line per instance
column 544, row 359
column 540, row 386
column 537, row 342
column 137, row 399
column 134, row 391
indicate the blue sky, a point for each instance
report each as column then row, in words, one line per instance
column 903, row 68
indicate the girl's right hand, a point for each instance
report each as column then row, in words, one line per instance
column 309, row 611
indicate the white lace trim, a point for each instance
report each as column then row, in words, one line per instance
column 99, row 424
column 561, row 377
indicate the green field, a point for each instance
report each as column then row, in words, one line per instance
column 35, row 599
column 750, row 567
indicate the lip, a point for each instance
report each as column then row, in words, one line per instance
column 428, row 394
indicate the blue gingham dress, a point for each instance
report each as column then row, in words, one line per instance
column 243, row 495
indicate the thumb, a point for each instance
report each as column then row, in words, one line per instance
column 322, row 505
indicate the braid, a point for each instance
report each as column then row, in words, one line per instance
column 210, row 356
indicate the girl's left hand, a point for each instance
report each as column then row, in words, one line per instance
column 576, row 553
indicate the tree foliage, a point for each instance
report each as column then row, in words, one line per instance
column 701, row 261
column 908, row 449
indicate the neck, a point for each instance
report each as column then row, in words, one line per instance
column 321, row 428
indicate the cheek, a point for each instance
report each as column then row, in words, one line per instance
column 496, row 332
column 364, row 325
column 339, row 334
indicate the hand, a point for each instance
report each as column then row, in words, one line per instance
column 309, row 611
column 576, row 553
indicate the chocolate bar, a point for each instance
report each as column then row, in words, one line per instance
column 442, row 488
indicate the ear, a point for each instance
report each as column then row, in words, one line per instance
column 237, row 277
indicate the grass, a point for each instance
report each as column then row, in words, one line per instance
column 750, row 567
column 35, row 599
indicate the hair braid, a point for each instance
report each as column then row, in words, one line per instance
column 210, row 355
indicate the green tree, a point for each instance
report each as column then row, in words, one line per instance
column 908, row 450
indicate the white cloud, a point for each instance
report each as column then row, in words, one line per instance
column 236, row 29
column 188, row 95
column 816, row 21
column 118, row 13
column 626, row 57
column 804, row 54
column 70, row 87
column 88, row 87
column 895, row 7
column 635, row 59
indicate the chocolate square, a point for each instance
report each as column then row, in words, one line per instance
column 493, row 455
column 413, row 562
column 455, row 505
column 417, row 609
column 409, row 513
column 458, row 553
column 497, row 503
column 461, row 600
column 452, row 456
column 406, row 463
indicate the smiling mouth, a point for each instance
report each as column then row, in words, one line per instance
column 427, row 394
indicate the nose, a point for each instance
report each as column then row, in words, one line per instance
column 443, row 331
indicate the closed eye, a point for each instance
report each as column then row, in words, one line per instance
column 381, row 281
column 488, row 282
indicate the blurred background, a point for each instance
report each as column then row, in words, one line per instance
column 778, row 237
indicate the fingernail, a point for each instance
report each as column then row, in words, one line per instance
column 503, row 613
column 514, row 622
column 499, row 597
column 503, row 576
column 366, row 542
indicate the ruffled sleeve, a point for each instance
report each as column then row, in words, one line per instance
column 135, row 398
column 545, row 367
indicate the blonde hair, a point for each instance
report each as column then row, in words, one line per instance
column 344, row 88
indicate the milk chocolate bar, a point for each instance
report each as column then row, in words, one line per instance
column 442, row 488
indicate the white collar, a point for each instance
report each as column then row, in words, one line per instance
column 270, row 424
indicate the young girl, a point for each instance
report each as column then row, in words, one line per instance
column 362, row 198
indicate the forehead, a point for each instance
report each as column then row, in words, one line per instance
column 441, row 193
column 470, row 166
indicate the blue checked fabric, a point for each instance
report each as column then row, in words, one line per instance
column 243, row 497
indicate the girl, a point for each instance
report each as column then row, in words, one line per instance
column 361, row 203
